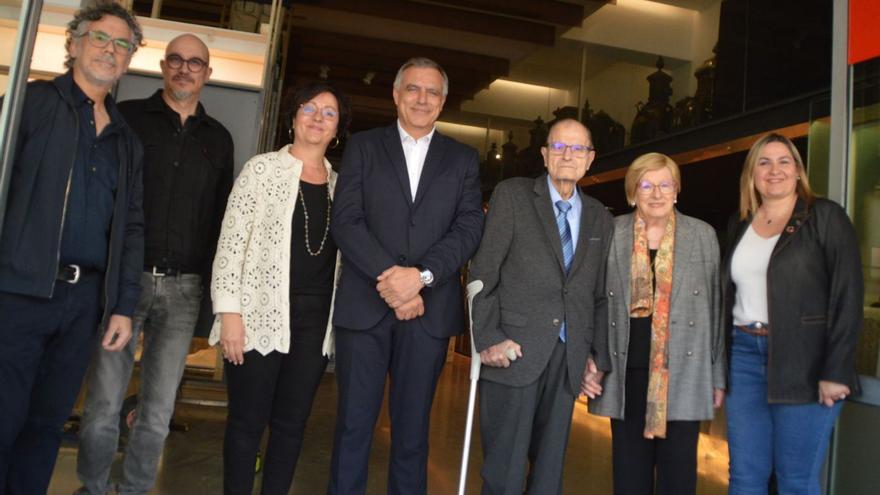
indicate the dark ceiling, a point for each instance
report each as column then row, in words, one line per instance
column 359, row 45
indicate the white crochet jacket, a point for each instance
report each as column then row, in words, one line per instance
column 251, row 274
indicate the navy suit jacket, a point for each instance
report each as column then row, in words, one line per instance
column 376, row 225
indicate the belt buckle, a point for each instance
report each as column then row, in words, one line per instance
column 77, row 271
column 157, row 273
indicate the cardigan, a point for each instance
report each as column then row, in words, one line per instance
column 251, row 274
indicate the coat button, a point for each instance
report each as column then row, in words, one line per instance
column 697, row 292
column 610, row 293
column 613, row 324
column 555, row 322
column 690, row 323
column 401, row 259
column 614, row 353
column 690, row 353
column 565, row 291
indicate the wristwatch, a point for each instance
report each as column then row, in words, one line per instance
column 426, row 276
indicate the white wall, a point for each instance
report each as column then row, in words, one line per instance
column 236, row 57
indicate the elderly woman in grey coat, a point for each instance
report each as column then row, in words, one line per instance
column 665, row 339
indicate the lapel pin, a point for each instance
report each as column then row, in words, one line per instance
column 790, row 229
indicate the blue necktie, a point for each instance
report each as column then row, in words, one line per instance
column 567, row 245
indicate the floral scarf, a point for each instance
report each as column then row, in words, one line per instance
column 644, row 303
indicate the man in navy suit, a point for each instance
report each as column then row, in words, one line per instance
column 406, row 216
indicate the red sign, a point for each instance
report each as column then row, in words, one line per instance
column 864, row 37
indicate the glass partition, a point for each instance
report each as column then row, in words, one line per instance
column 864, row 191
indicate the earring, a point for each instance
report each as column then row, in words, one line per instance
column 675, row 201
column 335, row 143
column 290, row 134
column 633, row 204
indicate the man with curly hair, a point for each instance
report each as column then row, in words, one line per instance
column 71, row 248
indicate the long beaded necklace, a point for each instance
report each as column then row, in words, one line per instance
column 302, row 201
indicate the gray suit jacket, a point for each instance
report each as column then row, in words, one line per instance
column 526, row 294
column 696, row 341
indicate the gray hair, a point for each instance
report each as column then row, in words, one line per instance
column 77, row 27
column 422, row 62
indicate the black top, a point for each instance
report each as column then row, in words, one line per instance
column 90, row 199
column 188, row 173
column 311, row 274
column 640, row 336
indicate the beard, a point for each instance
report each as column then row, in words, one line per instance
column 99, row 78
column 180, row 95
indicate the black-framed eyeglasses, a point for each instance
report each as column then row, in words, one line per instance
column 558, row 148
column 100, row 39
column 194, row 64
column 311, row 109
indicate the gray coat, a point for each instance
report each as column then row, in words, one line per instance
column 696, row 341
column 526, row 293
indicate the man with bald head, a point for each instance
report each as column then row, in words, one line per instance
column 188, row 172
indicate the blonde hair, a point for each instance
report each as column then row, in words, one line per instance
column 648, row 163
column 749, row 198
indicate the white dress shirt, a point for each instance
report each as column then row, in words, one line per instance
column 415, row 151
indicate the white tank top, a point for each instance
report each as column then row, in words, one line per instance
column 748, row 269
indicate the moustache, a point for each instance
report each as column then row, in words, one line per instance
column 183, row 77
column 107, row 59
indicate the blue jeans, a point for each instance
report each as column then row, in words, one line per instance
column 167, row 314
column 45, row 346
column 788, row 439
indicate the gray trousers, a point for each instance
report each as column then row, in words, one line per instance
column 167, row 314
column 525, row 430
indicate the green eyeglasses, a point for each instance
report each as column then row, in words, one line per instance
column 100, row 39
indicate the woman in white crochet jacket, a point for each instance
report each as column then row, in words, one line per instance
column 272, row 287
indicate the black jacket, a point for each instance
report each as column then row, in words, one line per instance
column 815, row 298
column 188, row 174
column 45, row 151
column 377, row 225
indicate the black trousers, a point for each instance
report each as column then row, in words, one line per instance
column 275, row 390
column 635, row 458
column 45, row 347
column 405, row 355
column 524, row 431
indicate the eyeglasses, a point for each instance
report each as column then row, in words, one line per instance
column 645, row 188
column 558, row 148
column 100, row 39
column 311, row 109
column 194, row 64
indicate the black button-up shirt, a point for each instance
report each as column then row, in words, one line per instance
column 90, row 198
column 188, row 173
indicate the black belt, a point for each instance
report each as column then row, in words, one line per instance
column 757, row 328
column 162, row 271
column 69, row 273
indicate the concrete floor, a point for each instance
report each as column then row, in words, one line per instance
column 192, row 462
